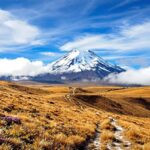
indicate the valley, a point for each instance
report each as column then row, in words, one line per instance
column 74, row 117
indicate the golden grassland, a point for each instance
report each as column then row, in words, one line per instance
column 40, row 117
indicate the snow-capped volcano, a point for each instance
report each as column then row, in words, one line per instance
column 79, row 61
column 78, row 66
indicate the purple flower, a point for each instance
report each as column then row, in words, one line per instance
column 3, row 140
column 11, row 120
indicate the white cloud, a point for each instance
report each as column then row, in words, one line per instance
column 131, row 76
column 52, row 54
column 16, row 32
column 126, row 38
column 25, row 67
column 21, row 67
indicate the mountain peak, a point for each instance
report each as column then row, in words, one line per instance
column 79, row 61
column 77, row 52
column 80, row 51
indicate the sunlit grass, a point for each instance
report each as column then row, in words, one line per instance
column 49, row 121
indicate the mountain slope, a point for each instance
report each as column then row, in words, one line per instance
column 78, row 61
column 78, row 65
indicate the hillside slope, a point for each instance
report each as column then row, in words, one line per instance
column 120, row 103
column 54, row 117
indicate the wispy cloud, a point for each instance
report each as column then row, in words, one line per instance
column 130, row 37
column 136, row 61
column 55, row 23
column 80, row 17
column 51, row 54
column 15, row 32
column 122, row 3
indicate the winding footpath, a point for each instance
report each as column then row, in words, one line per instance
column 95, row 143
column 119, row 143
column 69, row 97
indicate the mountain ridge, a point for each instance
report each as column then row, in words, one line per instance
column 78, row 66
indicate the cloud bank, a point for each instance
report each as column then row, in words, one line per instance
column 25, row 67
column 21, row 67
column 131, row 76
column 16, row 32
column 130, row 37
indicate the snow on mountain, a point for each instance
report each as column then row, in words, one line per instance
column 75, row 66
column 79, row 61
column 78, row 66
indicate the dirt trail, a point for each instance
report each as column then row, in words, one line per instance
column 94, row 143
column 119, row 143
column 70, row 97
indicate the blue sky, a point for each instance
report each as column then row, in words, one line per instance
column 117, row 30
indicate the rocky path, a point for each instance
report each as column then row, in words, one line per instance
column 94, row 143
column 118, row 143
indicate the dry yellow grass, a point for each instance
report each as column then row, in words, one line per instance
column 106, row 136
column 47, row 119
column 40, row 117
column 137, row 131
